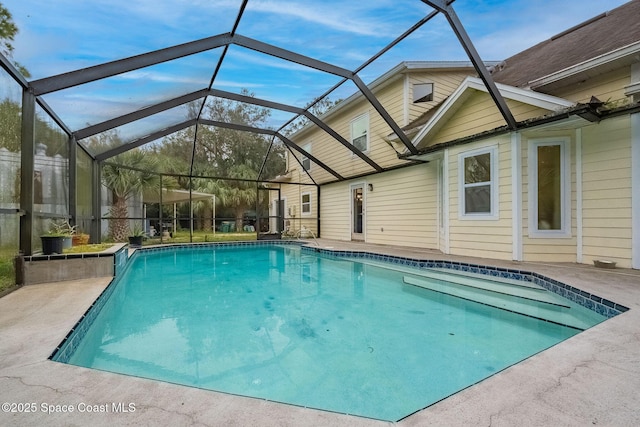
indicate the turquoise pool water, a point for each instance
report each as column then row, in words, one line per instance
column 284, row 324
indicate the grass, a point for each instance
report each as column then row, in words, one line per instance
column 7, row 271
column 99, row 247
column 203, row 236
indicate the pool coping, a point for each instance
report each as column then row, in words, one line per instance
column 587, row 379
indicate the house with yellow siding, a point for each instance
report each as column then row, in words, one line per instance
column 563, row 185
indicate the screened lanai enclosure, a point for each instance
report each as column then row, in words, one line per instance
column 188, row 127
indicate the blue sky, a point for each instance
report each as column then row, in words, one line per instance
column 64, row 35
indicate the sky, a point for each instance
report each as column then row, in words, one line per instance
column 64, row 35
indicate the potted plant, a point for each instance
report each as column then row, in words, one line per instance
column 136, row 235
column 68, row 231
column 56, row 239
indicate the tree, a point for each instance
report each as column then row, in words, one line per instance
column 219, row 152
column 8, row 31
column 237, row 154
column 10, row 126
column 317, row 109
column 228, row 153
column 241, row 195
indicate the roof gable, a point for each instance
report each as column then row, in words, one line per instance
column 473, row 84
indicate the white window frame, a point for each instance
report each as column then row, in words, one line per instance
column 494, row 214
column 304, row 159
column 428, row 97
column 565, row 187
column 364, row 116
column 302, row 204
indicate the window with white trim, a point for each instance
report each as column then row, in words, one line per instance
column 478, row 184
column 549, row 188
column 360, row 132
column 306, row 162
column 305, row 203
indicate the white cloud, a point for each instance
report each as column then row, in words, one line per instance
column 352, row 20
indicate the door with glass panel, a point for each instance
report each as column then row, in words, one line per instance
column 357, row 212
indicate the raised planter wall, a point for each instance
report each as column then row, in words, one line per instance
column 58, row 268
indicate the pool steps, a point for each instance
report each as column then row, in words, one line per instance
column 537, row 294
column 519, row 297
column 536, row 309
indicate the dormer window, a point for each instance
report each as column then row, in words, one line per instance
column 422, row 92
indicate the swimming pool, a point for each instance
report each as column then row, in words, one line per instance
column 362, row 334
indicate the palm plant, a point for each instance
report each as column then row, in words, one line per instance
column 124, row 182
column 239, row 194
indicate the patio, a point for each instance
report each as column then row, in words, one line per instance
column 590, row 379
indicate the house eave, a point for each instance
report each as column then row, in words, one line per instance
column 625, row 55
column 583, row 114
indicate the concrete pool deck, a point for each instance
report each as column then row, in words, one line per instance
column 592, row 378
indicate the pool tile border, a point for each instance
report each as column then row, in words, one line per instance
column 72, row 340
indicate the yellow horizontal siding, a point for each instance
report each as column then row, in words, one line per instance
column 478, row 114
column 608, row 86
column 604, row 185
column 592, row 230
column 610, row 243
column 607, row 192
column 402, row 208
column 334, row 221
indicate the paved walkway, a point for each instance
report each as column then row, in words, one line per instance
column 591, row 379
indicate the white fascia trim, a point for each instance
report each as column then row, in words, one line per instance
column 445, row 197
column 632, row 89
column 536, row 99
column 635, row 191
column 603, row 59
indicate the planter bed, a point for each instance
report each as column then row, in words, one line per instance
column 35, row 269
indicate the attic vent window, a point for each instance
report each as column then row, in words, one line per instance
column 306, row 162
column 422, row 92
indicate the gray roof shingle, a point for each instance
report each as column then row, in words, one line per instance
column 599, row 35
